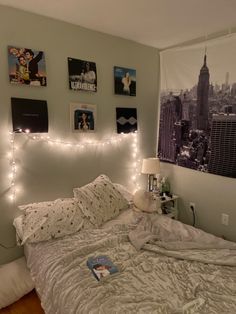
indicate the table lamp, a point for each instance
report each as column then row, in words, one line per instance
column 151, row 167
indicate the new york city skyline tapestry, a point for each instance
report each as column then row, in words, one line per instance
column 197, row 126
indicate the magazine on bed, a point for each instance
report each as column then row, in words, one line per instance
column 101, row 267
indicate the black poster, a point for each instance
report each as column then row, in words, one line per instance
column 126, row 120
column 29, row 115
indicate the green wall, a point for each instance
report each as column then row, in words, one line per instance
column 47, row 172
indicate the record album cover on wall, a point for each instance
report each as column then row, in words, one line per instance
column 29, row 115
column 126, row 120
column 125, row 81
column 82, row 75
column 83, row 117
column 26, row 66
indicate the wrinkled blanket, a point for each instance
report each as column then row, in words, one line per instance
column 147, row 282
column 163, row 235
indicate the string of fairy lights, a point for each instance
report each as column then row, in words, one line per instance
column 79, row 147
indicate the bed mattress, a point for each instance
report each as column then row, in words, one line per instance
column 148, row 281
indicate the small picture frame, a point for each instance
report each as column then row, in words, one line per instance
column 83, row 117
column 125, row 81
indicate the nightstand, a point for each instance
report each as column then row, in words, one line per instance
column 169, row 206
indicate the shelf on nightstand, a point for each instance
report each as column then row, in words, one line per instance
column 170, row 206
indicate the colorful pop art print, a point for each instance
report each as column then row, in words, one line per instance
column 83, row 117
column 125, row 81
column 82, row 75
column 26, row 66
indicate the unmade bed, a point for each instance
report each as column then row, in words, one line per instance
column 164, row 267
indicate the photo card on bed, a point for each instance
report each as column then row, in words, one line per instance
column 82, row 75
column 125, row 81
column 101, row 267
column 83, row 117
column 126, row 120
column 26, row 66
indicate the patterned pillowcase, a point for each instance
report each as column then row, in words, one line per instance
column 49, row 220
column 100, row 200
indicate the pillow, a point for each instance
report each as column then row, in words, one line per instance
column 18, row 224
column 145, row 201
column 15, row 282
column 124, row 191
column 32, row 206
column 100, row 201
column 49, row 220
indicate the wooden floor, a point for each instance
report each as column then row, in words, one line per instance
column 29, row 304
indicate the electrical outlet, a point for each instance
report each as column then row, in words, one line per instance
column 225, row 219
column 192, row 206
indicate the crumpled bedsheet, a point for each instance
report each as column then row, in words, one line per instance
column 148, row 282
column 163, row 235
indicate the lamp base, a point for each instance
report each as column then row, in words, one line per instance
column 150, row 182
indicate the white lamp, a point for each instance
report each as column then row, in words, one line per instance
column 150, row 166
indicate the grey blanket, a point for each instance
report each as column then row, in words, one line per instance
column 163, row 235
column 147, row 283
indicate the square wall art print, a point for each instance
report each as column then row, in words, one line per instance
column 125, row 81
column 126, row 120
column 83, row 117
column 26, row 66
column 82, row 75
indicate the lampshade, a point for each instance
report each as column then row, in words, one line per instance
column 151, row 166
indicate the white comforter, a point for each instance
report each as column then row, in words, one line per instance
column 147, row 282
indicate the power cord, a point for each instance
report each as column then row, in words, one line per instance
column 193, row 212
column 7, row 247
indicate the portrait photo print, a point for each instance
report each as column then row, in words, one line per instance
column 125, row 81
column 83, row 117
column 82, row 75
column 26, row 66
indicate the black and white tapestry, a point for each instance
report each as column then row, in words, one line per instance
column 198, row 107
column 126, row 120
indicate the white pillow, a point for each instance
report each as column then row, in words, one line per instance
column 15, row 282
column 18, row 224
column 51, row 220
column 33, row 206
column 124, row 191
column 145, row 201
column 100, row 201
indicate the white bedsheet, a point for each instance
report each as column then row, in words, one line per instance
column 148, row 282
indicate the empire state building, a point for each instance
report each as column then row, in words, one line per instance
column 202, row 97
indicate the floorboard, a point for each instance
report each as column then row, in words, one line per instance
column 29, row 304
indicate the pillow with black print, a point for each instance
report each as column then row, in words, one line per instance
column 52, row 220
column 100, row 200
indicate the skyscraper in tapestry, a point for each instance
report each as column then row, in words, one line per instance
column 198, row 126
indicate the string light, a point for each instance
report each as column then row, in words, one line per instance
column 135, row 164
column 13, row 168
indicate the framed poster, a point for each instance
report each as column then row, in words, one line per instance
column 82, row 75
column 83, row 117
column 26, row 66
column 125, row 81
column 126, row 120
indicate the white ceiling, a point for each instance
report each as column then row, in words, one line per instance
column 157, row 23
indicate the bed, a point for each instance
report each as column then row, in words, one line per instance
column 164, row 266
